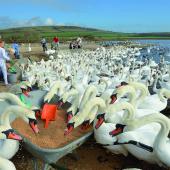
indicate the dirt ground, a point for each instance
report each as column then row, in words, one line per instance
column 89, row 156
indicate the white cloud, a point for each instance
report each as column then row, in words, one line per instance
column 7, row 22
column 50, row 21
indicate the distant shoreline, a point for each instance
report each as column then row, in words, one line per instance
column 69, row 33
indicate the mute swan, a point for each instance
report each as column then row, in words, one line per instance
column 122, row 91
column 140, row 142
column 11, row 147
column 102, row 126
column 156, row 102
column 72, row 97
column 89, row 93
column 91, row 110
column 90, row 107
column 6, row 134
column 162, row 142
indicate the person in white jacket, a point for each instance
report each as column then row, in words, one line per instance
column 3, row 58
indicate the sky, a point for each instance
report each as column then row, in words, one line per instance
column 114, row 15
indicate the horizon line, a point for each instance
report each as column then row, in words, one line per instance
column 99, row 29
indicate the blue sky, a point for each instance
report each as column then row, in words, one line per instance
column 114, row 15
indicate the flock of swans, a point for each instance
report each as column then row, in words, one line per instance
column 115, row 89
column 123, row 97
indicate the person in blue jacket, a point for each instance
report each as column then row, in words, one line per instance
column 15, row 46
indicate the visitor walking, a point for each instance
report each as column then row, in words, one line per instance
column 55, row 43
column 3, row 58
column 44, row 44
column 15, row 46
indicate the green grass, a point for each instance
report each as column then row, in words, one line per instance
column 66, row 33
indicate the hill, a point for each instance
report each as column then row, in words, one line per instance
column 66, row 33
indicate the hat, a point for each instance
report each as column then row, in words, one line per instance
column 23, row 87
column 28, row 84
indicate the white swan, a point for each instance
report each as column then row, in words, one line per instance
column 91, row 106
column 156, row 102
column 139, row 139
column 10, row 147
column 5, row 135
column 162, row 142
column 102, row 126
column 72, row 97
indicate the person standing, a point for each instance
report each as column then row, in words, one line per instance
column 3, row 58
column 55, row 43
column 44, row 44
column 15, row 46
column 79, row 41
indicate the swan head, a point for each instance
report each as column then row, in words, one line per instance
column 119, row 129
column 121, row 92
column 113, row 98
column 100, row 120
column 123, row 83
column 29, row 117
column 85, row 125
column 69, row 116
column 6, row 133
column 70, row 127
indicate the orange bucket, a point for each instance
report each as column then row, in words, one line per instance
column 48, row 113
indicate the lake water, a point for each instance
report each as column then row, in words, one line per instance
column 162, row 43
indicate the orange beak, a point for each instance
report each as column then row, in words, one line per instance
column 99, row 122
column 69, row 116
column 68, row 130
column 119, row 129
column 33, row 125
column 14, row 136
column 113, row 98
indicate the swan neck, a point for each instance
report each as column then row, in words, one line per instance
column 155, row 117
column 143, row 91
column 5, row 117
column 88, row 94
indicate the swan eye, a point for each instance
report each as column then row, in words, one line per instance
column 123, row 83
column 120, row 126
column 165, row 97
column 7, row 132
column 101, row 116
column 70, row 125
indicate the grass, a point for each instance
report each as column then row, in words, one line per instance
column 67, row 33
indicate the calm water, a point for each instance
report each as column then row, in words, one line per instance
column 165, row 44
